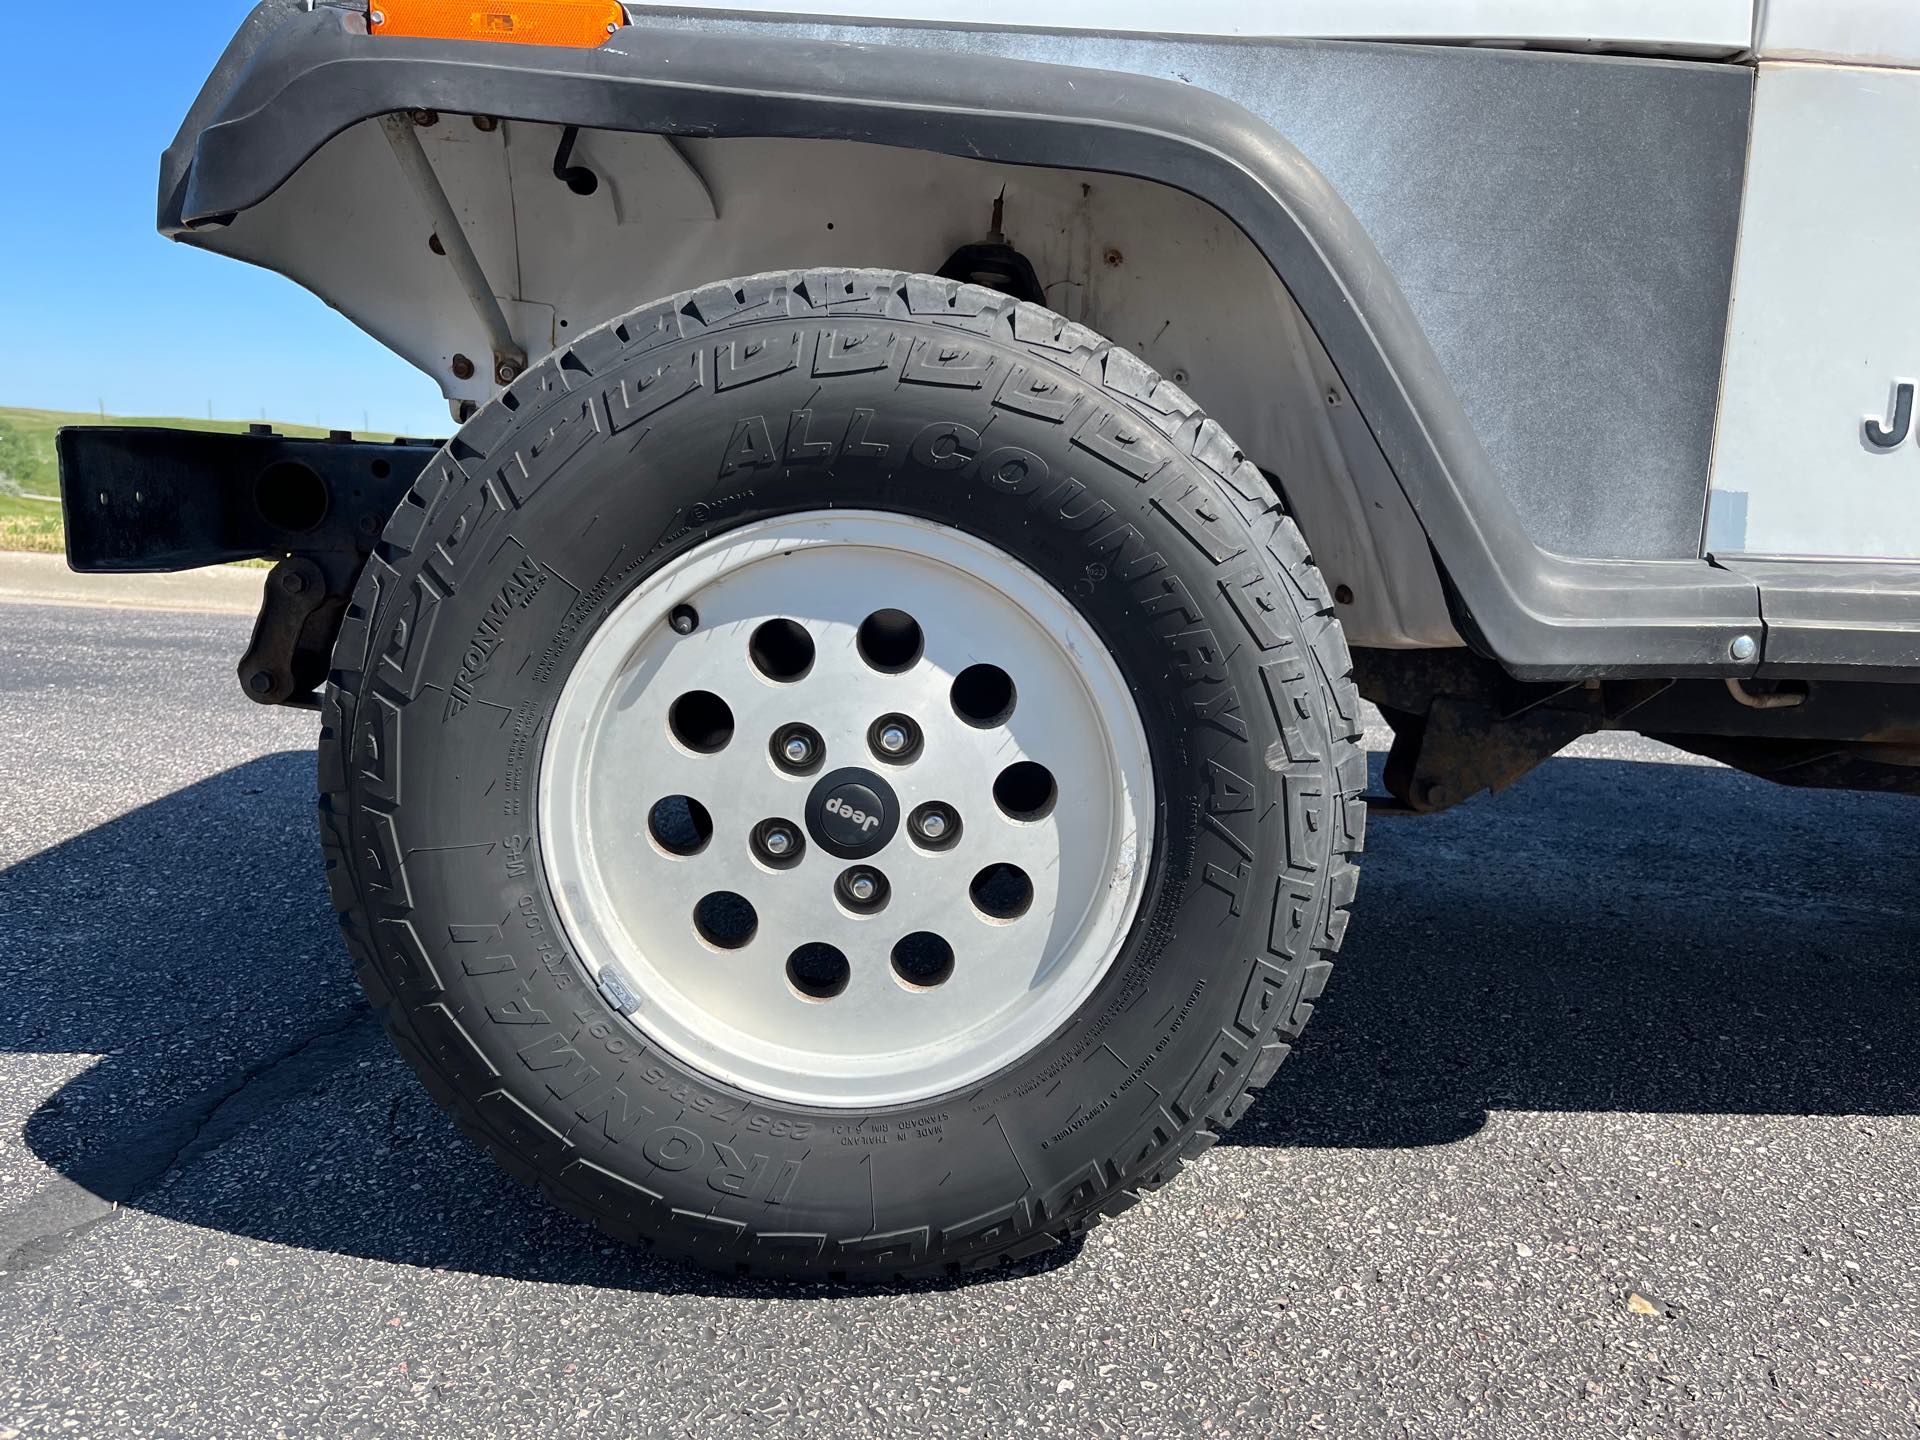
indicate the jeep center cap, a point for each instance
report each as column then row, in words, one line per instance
column 852, row 814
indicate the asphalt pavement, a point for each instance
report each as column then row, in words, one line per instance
column 1606, row 1126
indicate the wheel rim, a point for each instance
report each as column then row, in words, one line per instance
column 841, row 860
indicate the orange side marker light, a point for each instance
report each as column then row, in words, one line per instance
column 574, row 24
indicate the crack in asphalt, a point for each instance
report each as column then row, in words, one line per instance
column 101, row 1183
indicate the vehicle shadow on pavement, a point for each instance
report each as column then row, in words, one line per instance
column 1617, row 935
column 1609, row 936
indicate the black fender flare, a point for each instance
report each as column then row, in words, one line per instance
column 295, row 78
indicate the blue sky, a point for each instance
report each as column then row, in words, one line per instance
column 94, row 306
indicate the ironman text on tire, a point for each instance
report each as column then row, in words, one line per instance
column 842, row 772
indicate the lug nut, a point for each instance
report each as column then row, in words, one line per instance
column 796, row 749
column 935, row 825
column 777, row 843
column 863, row 890
column 895, row 739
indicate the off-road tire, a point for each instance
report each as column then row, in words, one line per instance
column 622, row 450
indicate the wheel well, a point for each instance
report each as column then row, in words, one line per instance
column 1156, row 270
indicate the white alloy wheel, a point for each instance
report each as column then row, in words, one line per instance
column 847, row 808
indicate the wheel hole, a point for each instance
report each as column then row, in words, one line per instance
column 701, row 721
column 923, row 960
column 1002, row 892
column 890, row 641
column 680, row 825
column 725, row 920
column 1026, row 791
column 983, row 696
column 817, row 971
column 782, row 651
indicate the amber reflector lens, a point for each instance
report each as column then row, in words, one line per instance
column 578, row 24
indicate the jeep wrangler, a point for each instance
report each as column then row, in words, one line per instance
column 849, row 761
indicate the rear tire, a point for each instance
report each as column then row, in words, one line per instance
column 648, row 1064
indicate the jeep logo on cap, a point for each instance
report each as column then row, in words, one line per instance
column 852, row 814
column 837, row 806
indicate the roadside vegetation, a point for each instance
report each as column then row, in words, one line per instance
column 30, row 514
